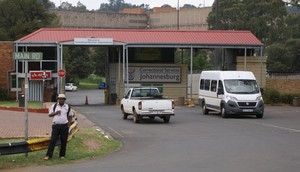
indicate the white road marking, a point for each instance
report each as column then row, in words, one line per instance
column 273, row 126
column 116, row 132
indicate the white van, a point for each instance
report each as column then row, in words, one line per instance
column 230, row 93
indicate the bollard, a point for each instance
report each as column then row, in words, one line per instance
column 86, row 100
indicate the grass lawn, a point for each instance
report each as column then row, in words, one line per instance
column 84, row 85
column 87, row 144
column 16, row 104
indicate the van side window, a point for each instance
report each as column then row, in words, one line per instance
column 202, row 84
column 207, row 84
column 213, row 87
column 220, row 86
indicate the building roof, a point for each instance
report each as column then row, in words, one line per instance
column 146, row 37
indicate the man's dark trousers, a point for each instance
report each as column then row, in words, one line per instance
column 62, row 131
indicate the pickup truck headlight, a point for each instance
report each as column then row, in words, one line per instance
column 231, row 98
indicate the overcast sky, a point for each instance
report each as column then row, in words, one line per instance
column 95, row 4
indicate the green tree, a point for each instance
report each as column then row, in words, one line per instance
column 19, row 18
column 117, row 5
column 293, row 52
column 264, row 18
column 293, row 22
column 284, row 58
column 47, row 4
column 98, row 58
column 78, row 63
column 200, row 59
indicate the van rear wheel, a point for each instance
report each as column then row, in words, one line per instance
column 204, row 109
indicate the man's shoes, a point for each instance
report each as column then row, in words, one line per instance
column 62, row 157
column 46, row 158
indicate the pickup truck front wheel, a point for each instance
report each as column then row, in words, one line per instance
column 166, row 119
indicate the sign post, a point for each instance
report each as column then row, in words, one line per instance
column 61, row 73
column 27, row 56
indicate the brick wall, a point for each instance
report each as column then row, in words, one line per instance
column 6, row 63
column 284, row 85
column 253, row 65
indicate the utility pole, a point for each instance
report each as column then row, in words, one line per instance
column 177, row 14
column 216, row 53
column 217, row 15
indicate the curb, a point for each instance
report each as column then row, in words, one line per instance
column 33, row 110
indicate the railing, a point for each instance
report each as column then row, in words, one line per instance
column 283, row 75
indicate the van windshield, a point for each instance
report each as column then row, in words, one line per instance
column 239, row 86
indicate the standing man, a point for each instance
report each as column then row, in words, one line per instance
column 60, row 128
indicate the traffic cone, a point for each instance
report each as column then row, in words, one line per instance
column 86, row 100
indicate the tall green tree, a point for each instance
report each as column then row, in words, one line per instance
column 78, row 63
column 264, row 18
column 117, row 5
column 284, row 58
column 19, row 18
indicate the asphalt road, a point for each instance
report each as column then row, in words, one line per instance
column 193, row 142
column 77, row 98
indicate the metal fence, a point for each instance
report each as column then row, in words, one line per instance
column 283, row 75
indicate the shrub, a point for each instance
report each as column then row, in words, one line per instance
column 272, row 96
column 4, row 95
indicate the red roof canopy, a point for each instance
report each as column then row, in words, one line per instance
column 210, row 37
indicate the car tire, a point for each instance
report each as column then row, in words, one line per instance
column 125, row 115
column 204, row 109
column 136, row 118
column 223, row 112
column 259, row 116
column 166, row 119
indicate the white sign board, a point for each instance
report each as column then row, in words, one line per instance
column 93, row 41
column 154, row 74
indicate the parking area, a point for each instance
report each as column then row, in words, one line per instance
column 194, row 142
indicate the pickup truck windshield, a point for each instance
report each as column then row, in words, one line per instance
column 239, row 86
column 144, row 92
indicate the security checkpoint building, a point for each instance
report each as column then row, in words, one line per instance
column 134, row 57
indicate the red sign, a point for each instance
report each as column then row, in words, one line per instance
column 38, row 75
column 61, row 73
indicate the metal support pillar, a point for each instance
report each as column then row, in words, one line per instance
column 261, row 54
column 245, row 61
column 191, row 73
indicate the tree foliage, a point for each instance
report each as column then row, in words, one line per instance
column 200, row 59
column 81, row 61
column 69, row 6
column 264, row 18
column 284, row 58
column 78, row 63
column 19, row 18
column 117, row 5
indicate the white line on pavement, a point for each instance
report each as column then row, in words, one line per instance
column 273, row 126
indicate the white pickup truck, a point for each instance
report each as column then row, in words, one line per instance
column 146, row 102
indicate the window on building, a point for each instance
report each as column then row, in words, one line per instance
column 13, row 79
